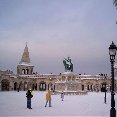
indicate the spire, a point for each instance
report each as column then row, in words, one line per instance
column 25, row 56
column 25, row 67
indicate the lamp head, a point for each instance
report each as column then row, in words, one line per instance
column 112, row 51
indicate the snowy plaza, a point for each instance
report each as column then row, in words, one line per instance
column 50, row 49
column 14, row 104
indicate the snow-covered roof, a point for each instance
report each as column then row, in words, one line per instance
column 40, row 76
column 91, row 77
column 68, row 73
column 8, row 72
column 25, row 64
column 14, row 76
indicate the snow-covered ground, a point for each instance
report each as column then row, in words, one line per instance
column 14, row 104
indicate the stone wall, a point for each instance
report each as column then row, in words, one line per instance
column 45, row 82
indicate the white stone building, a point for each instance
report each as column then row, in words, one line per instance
column 26, row 78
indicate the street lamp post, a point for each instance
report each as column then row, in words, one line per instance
column 105, row 89
column 112, row 53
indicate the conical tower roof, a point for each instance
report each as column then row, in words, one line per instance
column 25, row 60
column 25, row 56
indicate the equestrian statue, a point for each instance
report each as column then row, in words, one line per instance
column 68, row 64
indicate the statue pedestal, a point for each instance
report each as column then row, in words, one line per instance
column 68, row 73
column 69, row 84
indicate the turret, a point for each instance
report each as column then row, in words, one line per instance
column 25, row 67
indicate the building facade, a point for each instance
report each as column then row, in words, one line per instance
column 26, row 78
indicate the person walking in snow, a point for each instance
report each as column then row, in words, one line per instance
column 48, row 98
column 29, row 95
column 62, row 95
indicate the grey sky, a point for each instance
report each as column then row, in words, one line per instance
column 54, row 29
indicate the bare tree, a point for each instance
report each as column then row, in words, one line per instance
column 115, row 3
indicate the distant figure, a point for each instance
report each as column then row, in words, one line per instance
column 48, row 98
column 62, row 95
column 29, row 95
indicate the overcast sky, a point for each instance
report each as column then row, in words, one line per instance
column 56, row 29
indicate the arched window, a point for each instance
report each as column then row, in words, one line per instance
column 5, row 85
column 88, row 87
column 42, row 86
column 82, row 87
column 27, row 71
column 23, row 71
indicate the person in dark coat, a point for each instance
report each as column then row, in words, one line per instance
column 29, row 95
column 62, row 95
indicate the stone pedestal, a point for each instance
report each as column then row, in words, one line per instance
column 69, row 84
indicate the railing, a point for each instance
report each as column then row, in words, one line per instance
column 71, row 92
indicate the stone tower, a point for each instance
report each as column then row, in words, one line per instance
column 24, row 67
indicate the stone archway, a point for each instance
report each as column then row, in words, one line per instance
column 33, row 86
column 21, row 85
column 15, row 86
column 42, row 86
column 54, row 87
column 50, row 86
column 36, row 86
column 25, row 86
column 97, row 87
column 89, row 86
column 30, row 85
column 5, row 85
column 82, row 87
column 103, row 87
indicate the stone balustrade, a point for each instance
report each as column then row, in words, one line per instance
column 71, row 92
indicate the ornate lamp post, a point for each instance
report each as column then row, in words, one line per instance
column 112, row 53
column 105, row 89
